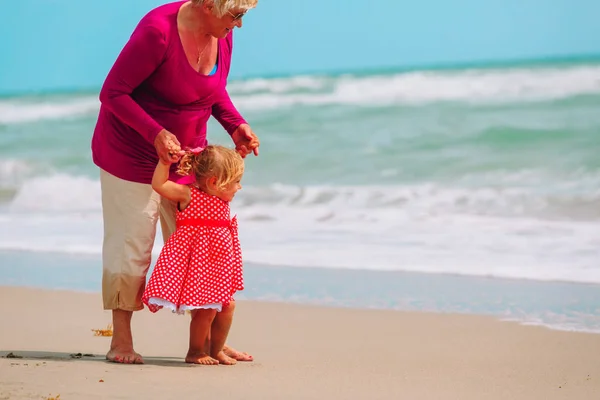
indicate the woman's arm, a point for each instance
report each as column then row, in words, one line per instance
column 140, row 57
column 225, row 112
column 168, row 189
column 245, row 140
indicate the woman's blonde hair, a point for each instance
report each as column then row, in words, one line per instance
column 221, row 7
column 225, row 164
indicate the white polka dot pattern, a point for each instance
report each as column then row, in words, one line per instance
column 198, row 265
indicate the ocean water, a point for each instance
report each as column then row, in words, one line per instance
column 489, row 172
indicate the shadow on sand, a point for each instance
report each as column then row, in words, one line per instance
column 40, row 357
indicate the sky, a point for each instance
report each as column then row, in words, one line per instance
column 71, row 44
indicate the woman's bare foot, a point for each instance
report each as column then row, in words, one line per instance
column 237, row 355
column 225, row 359
column 124, row 356
column 121, row 345
column 200, row 358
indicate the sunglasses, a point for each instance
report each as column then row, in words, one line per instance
column 238, row 16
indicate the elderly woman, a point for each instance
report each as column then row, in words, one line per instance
column 166, row 83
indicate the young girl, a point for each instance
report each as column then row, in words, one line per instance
column 200, row 266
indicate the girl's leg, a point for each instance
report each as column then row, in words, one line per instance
column 219, row 332
column 227, row 317
column 199, row 331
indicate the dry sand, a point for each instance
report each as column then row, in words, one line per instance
column 301, row 352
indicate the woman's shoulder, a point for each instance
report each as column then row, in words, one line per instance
column 229, row 42
column 161, row 18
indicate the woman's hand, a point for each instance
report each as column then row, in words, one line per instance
column 167, row 147
column 245, row 140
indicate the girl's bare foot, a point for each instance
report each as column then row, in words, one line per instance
column 199, row 330
column 237, row 355
column 200, row 358
column 225, row 359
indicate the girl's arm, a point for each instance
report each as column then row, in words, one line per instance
column 168, row 189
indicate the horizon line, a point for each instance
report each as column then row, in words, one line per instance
column 385, row 69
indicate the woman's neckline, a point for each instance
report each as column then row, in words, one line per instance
column 182, row 50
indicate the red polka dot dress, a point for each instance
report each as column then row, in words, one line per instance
column 200, row 266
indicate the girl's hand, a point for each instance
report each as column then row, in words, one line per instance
column 167, row 147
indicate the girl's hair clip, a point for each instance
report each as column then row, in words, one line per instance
column 195, row 151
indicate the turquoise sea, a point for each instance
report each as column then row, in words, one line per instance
column 481, row 182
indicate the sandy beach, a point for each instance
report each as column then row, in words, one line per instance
column 301, row 352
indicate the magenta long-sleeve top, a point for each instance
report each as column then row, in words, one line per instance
column 152, row 87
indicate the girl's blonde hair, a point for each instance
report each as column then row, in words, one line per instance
column 214, row 161
column 221, row 7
